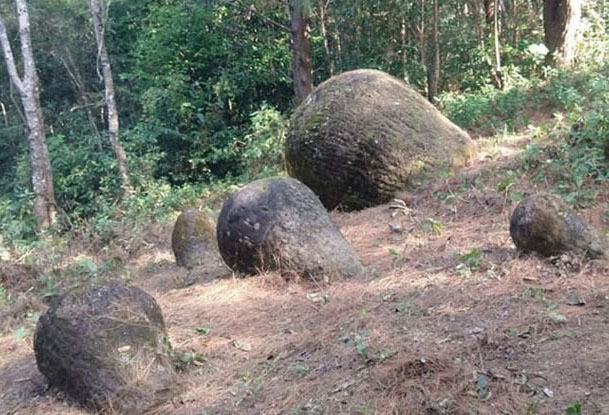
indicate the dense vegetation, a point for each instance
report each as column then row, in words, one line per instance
column 205, row 92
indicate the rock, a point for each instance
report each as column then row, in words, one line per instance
column 107, row 348
column 194, row 244
column 545, row 224
column 279, row 224
column 363, row 135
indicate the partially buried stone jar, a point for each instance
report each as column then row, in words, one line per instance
column 107, row 348
column 545, row 224
column 278, row 223
column 194, row 244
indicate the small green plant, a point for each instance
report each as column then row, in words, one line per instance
column 358, row 341
column 202, row 330
column 188, row 358
column 510, row 179
column 302, row 369
column 469, row 263
column 50, row 284
column 4, row 297
column 575, row 409
column 21, row 333
column 532, row 408
column 534, row 293
column 432, row 226
column 368, row 409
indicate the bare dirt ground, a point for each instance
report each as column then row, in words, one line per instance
column 450, row 319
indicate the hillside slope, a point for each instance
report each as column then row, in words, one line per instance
column 450, row 318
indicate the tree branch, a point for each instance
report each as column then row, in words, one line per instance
column 16, row 104
column 9, row 58
column 267, row 19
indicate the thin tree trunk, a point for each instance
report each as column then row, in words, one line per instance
column 3, row 108
column 434, row 78
column 477, row 7
column 45, row 207
column 75, row 75
column 422, row 36
column 113, row 125
column 515, row 24
column 561, row 20
column 404, row 44
column 301, row 49
column 323, row 19
column 339, row 48
column 498, row 75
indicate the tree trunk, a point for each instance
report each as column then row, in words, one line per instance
column 478, row 16
column 323, row 20
column 498, row 75
column 422, row 36
column 434, row 76
column 113, row 126
column 561, row 19
column 404, row 46
column 301, row 49
column 45, row 207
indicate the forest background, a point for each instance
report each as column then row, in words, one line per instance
column 204, row 90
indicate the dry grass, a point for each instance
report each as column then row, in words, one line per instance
column 421, row 333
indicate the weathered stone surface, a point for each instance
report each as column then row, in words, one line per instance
column 107, row 348
column 364, row 134
column 194, row 244
column 545, row 224
column 279, row 224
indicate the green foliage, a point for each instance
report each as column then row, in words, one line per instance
column 469, row 263
column 202, row 71
column 205, row 91
column 263, row 153
column 491, row 110
column 575, row 409
column 4, row 297
column 432, row 225
column 573, row 154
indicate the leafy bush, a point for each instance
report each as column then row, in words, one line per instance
column 263, row 153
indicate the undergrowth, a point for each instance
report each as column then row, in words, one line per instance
column 569, row 149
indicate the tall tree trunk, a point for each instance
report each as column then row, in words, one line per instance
column 404, row 44
column 434, row 76
column 113, row 127
column 323, row 20
column 45, row 207
column 301, row 49
column 498, row 75
column 561, row 19
column 423, row 45
column 478, row 16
